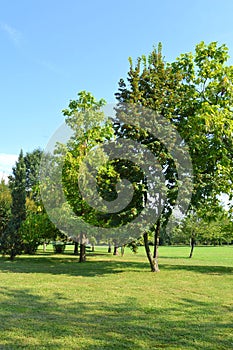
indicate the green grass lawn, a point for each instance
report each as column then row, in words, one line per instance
column 52, row 302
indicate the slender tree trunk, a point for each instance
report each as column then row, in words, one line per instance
column 92, row 248
column 12, row 255
column 156, row 245
column 152, row 260
column 122, row 250
column 156, row 240
column 44, row 247
column 192, row 243
column 109, row 248
column 115, row 252
column 75, row 248
column 153, row 265
column 82, row 250
column 82, row 253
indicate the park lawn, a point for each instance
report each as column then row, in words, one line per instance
column 111, row 302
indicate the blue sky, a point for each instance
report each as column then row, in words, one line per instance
column 50, row 50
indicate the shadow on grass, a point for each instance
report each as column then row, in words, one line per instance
column 33, row 322
column 174, row 257
column 55, row 265
column 207, row 269
column 69, row 265
column 68, row 253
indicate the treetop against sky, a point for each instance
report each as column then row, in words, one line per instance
column 51, row 50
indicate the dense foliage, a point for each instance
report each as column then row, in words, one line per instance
column 194, row 93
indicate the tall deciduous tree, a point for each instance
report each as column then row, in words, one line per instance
column 87, row 121
column 195, row 93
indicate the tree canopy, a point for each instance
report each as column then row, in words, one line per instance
column 195, row 94
column 178, row 113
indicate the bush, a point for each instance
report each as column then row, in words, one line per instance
column 30, row 247
column 59, row 247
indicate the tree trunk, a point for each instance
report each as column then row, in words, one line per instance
column 109, row 248
column 75, row 248
column 12, row 254
column 192, row 243
column 82, row 253
column 153, row 263
column 115, row 252
column 82, row 250
column 92, row 248
column 44, row 247
column 156, row 245
column 122, row 250
column 156, row 240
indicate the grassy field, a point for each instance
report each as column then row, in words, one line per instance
column 52, row 302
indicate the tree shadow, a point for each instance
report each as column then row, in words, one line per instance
column 211, row 270
column 56, row 265
column 40, row 252
column 174, row 257
column 69, row 265
column 48, row 324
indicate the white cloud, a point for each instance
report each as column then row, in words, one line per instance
column 7, row 161
column 14, row 35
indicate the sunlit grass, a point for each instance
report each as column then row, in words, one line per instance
column 111, row 302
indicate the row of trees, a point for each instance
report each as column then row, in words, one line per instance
column 195, row 95
column 203, row 227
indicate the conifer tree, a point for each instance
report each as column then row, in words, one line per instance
column 11, row 242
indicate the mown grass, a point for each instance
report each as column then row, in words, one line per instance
column 52, row 302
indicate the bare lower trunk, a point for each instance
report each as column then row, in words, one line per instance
column 115, row 252
column 152, row 261
column 156, row 245
column 192, row 243
column 12, row 255
column 82, row 249
column 109, row 248
column 44, row 247
column 122, row 250
column 75, row 248
column 82, row 253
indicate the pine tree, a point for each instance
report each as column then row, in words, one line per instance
column 11, row 242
